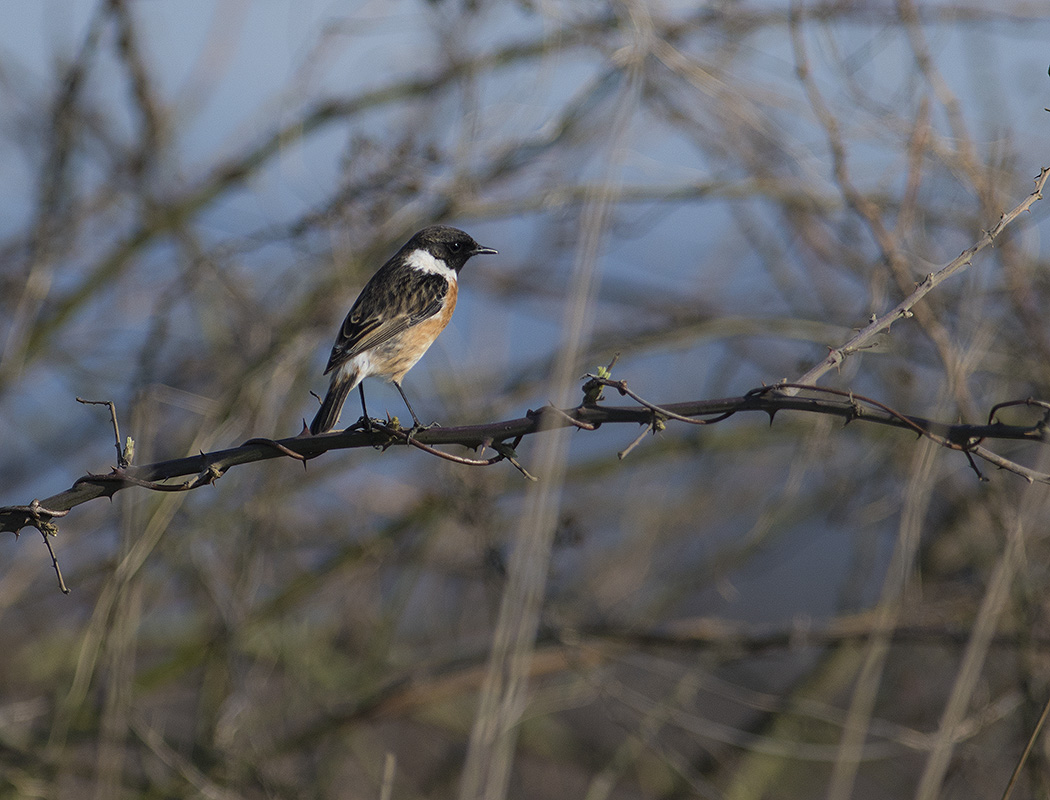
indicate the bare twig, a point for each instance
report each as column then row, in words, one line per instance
column 122, row 459
column 48, row 530
column 637, row 441
column 1028, row 402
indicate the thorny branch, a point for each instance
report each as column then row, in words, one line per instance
column 504, row 437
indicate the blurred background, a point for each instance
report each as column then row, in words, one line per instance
column 194, row 193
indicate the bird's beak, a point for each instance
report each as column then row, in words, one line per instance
column 484, row 251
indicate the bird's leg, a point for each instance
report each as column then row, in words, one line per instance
column 416, row 424
column 367, row 419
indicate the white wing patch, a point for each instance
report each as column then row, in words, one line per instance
column 423, row 261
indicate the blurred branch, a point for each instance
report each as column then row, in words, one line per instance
column 890, row 242
column 747, row 638
column 1027, row 751
column 52, row 229
column 577, row 649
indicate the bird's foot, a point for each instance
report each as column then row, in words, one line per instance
column 418, row 426
column 365, row 424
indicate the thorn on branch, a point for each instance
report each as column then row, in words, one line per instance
column 835, row 357
column 110, row 483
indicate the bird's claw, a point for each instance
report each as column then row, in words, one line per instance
column 364, row 424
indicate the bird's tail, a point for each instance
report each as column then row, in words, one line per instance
column 328, row 414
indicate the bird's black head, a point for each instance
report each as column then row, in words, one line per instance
column 451, row 245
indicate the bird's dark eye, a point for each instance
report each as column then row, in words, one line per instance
column 455, row 247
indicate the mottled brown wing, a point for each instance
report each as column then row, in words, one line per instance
column 395, row 299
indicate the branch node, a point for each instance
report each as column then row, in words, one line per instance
column 40, row 518
column 508, row 452
column 592, row 389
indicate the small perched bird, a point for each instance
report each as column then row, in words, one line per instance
column 397, row 316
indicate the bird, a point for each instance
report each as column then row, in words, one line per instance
column 397, row 316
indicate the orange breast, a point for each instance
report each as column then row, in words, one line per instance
column 414, row 342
